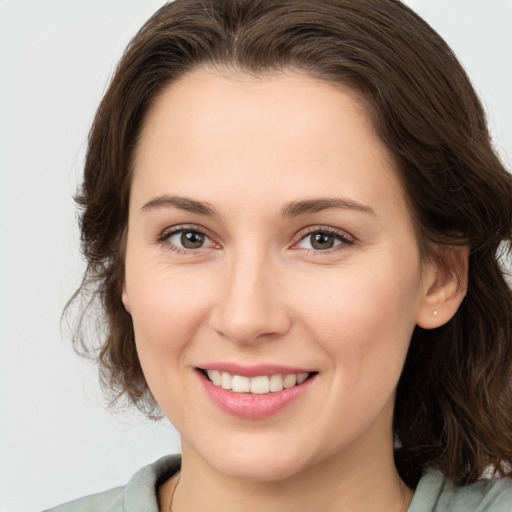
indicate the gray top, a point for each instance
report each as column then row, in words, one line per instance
column 434, row 493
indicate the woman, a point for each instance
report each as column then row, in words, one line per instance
column 296, row 225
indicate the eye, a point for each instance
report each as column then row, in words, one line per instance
column 323, row 240
column 188, row 239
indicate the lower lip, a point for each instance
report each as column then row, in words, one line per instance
column 251, row 406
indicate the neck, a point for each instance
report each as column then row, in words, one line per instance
column 365, row 481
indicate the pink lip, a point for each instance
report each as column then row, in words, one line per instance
column 249, row 406
column 254, row 371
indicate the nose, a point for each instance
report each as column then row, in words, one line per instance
column 250, row 304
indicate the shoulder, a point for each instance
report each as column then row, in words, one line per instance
column 138, row 494
column 435, row 493
column 107, row 501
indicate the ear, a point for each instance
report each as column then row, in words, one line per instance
column 446, row 285
column 124, row 298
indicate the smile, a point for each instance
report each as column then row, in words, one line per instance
column 259, row 385
column 255, row 396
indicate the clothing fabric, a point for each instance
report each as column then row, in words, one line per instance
column 434, row 493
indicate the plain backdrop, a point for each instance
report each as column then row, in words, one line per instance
column 57, row 441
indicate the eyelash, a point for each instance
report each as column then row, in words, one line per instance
column 167, row 234
column 344, row 239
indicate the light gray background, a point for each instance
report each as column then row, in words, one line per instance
column 56, row 440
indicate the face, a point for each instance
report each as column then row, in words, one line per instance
column 269, row 241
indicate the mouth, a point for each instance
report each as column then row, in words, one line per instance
column 258, row 385
column 261, row 393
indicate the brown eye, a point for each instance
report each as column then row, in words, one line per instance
column 189, row 239
column 322, row 241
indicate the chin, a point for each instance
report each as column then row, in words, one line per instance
column 271, row 471
column 257, row 464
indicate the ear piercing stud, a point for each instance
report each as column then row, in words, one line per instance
column 435, row 312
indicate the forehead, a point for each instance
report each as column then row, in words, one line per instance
column 278, row 131
column 206, row 100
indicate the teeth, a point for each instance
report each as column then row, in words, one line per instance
column 289, row 381
column 276, row 383
column 240, row 384
column 260, row 385
column 301, row 377
column 257, row 385
column 226, row 380
column 215, row 377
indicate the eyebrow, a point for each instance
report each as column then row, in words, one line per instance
column 292, row 209
column 183, row 203
column 296, row 208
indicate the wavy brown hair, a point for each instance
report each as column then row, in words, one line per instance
column 454, row 401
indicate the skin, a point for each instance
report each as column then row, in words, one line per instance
column 257, row 291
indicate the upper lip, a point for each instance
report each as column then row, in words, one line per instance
column 254, row 370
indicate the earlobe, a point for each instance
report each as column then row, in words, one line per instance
column 124, row 298
column 445, row 288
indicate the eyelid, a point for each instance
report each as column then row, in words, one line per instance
column 163, row 237
column 346, row 238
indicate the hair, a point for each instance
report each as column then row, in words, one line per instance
column 454, row 401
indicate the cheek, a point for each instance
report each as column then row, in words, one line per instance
column 167, row 312
column 167, row 309
column 366, row 319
